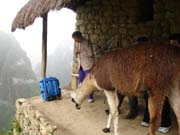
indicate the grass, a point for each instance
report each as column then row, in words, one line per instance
column 15, row 127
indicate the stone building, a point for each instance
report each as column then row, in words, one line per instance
column 117, row 23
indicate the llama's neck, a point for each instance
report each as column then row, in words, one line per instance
column 86, row 88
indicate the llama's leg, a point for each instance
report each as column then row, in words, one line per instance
column 107, row 128
column 133, row 110
column 174, row 100
column 120, row 99
column 155, row 105
column 113, row 103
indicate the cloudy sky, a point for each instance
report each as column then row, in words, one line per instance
column 61, row 24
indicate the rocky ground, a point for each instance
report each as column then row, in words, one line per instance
column 91, row 118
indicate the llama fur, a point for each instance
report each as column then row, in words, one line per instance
column 151, row 67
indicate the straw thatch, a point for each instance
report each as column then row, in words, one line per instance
column 37, row 8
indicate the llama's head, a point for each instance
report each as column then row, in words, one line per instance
column 83, row 91
column 76, row 104
column 73, row 96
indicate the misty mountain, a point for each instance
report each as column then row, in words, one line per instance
column 59, row 64
column 17, row 79
column 16, row 74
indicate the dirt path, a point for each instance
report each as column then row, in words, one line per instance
column 91, row 118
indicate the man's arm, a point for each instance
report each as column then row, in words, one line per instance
column 89, row 49
column 76, row 50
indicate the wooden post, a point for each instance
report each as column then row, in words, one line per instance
column 44, row 46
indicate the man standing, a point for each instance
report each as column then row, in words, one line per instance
column 83, row 51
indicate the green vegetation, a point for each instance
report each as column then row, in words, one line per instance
column 14, row 127
column 7, row 112
column 6, row 133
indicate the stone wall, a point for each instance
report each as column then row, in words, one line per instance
column 113, row 24
column 31, row 121
column 118, row 21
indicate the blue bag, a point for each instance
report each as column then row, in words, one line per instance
column 50, row 89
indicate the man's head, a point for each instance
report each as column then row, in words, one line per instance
column 77, row 36
column 174, row 39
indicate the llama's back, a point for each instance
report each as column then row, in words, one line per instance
column 128, row 69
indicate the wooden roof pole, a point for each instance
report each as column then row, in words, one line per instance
column 44, row 46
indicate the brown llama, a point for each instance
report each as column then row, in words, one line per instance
column 154, row 67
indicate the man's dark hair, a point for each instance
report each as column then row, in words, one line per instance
column 77, row 34
column 175, row 36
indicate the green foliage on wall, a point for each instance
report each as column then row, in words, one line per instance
column 7, row 114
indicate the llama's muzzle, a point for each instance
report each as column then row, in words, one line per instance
column 76, row 104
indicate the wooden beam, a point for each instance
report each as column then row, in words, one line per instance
column 44, row 46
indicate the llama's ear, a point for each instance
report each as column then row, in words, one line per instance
column 72, row 94
column 91, row 76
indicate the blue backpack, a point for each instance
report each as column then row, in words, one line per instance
column 50, row 89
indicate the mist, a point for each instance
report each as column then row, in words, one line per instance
column 61, row 25
column 20, row 60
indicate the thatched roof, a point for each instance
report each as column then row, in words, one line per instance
column 37, row 8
